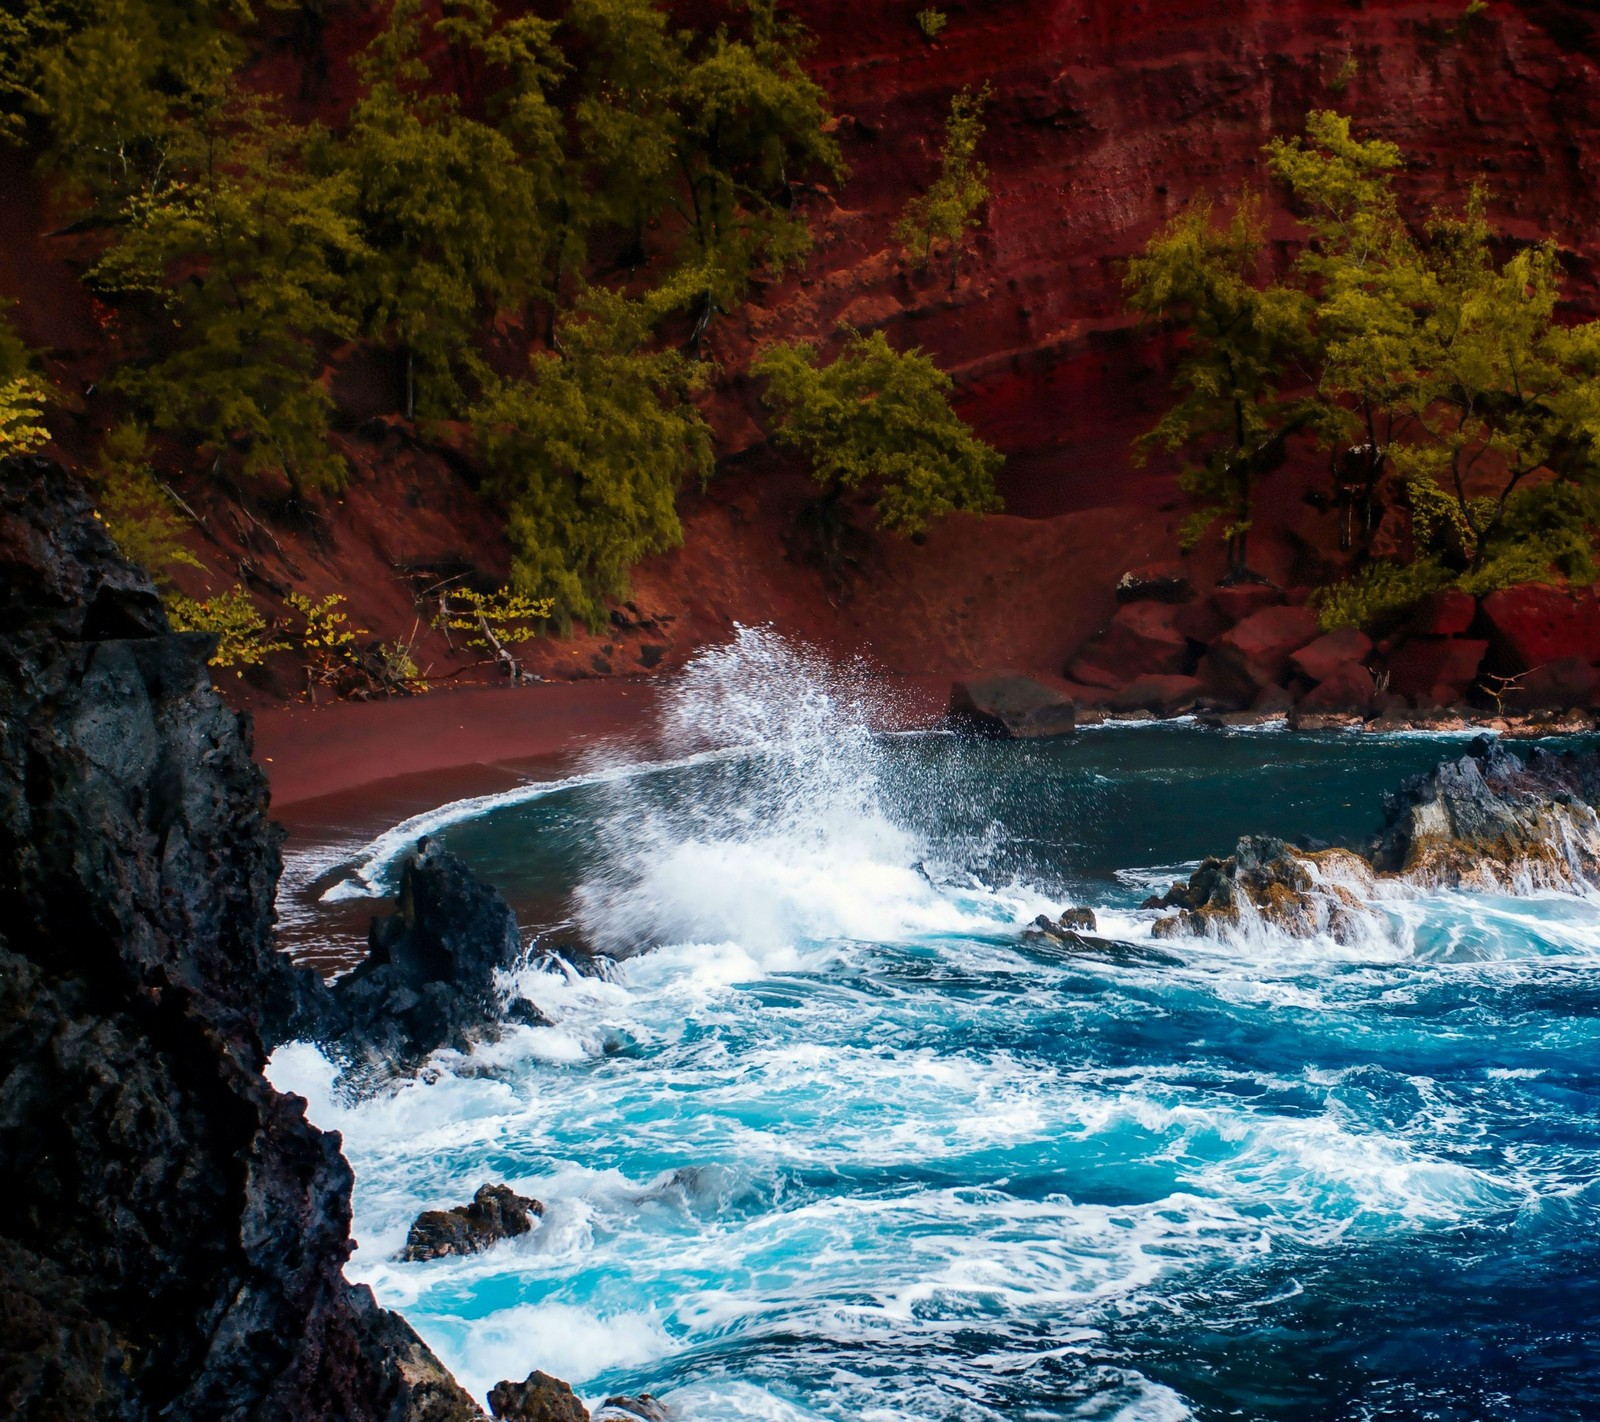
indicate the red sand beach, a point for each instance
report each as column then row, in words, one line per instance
column 475, row 739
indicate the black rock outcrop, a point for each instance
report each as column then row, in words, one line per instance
column 430, row 978
column 497, row 1212
column 174, row 1230
column 1492, row 820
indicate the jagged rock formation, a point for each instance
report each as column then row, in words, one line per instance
column 429, row 979
column 497, row 1212
column 1302, row 893
column 175, row 1229
column 1488, row 821
column 1492, row 820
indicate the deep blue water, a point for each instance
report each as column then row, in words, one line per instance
column 845, row 1144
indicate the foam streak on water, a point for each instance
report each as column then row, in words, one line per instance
column 846, row 1144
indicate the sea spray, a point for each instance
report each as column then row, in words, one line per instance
column 804, row 835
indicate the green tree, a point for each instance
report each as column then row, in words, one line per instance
column 879, row 420
column 750, row 123
column 589, row 450
column 1242, row 337
column 451, row 209
column 1362, row 267
column 234, row 254
column 1454, row 366
column 22, row 395
column 136, row 508
column 952, row 205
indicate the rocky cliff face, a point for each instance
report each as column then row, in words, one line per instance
column 174, row 1229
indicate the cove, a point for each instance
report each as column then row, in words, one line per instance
column 835, row 1138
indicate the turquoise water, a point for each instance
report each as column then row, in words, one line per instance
column 839, row 1141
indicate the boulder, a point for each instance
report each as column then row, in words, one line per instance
column 1531, row 625
column 1141, row 639
column 1447, row 613
column 537, row 1398
column 1080, row 920
column 1348, row 687
column 1255, row 653
column 1164, row 695
column 1238, row 601
column 1318, row 660
column 429, row 978
column 1201, row 621
column 1442, row 669
column 1492, row 821
column 1267, row 883
column 1555, row 686
column 1155, row 582
column 1010, row 706
column 1085, row 673
column 497, row 1212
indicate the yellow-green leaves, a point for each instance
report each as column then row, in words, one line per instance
column 243, row 637
column 1205, row 272
column 952, row 205
column 878, row 419
column 588, row 452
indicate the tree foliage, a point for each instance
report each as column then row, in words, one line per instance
column 879, row 420
column 1242, row 339
column 1453, row 367
column 951, row 207
column 22, row 396
column 136, row 510
column 588, row 452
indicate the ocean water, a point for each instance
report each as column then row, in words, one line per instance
column 835, row 1139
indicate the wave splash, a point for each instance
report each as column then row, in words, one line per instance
column 801, row 835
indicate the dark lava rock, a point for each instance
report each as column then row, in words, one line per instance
column 538, row 1398
column 1269, row 884
column 1009, row 706
column 175, row 1231
column 643, row 1408
column 428, row 980
column 1492, row 820
column 1080, row 919
column 497, row 1212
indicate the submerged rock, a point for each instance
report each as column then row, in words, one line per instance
column 643, row 1408
column 497, row 1212
column 1487, row 821
column 537, row 1398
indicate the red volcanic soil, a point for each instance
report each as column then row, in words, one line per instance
column 1106, row 117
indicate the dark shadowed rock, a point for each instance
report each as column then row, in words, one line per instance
column 1163, row 695
column 1441, row 669
column 538, row 1398
column 1255, row 653
column 1010, row 706
column 1319, row 660
column 1346, row 688
column 497, row 1212
column 429, row 978
column 1155, row 582
column 1142, row 639
column 175, row 1231
column 1447, row 613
